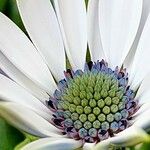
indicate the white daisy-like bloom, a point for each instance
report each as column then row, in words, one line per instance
column 92, row 105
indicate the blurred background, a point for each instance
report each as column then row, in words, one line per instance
column 9, row 8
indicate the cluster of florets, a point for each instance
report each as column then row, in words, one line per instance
column 93, row 104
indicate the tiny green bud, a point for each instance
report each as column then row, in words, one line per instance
column 96, row 111
column 114, row 108
column 110, row 117
column 74, row 116
column 82, row 94
column 96, row 124
column 87, row 125
column 67, row 114
column 121, row 105
column 83, row 118
column 115, row 100
column 84, row 102
column 106, row 110
column 101, row 103
column 79, row 109
column 101, row 117
column 72, row 108
column 108, row 101
column 87, row 110
column 97, row 95
column 76, row 100
column 119, row 94
column 89, row 95
column 105, row 126
column 91, row 117
column 76, row 92
column 77, row 124
column 92, row 103
column 112, row 93
column 104, row 93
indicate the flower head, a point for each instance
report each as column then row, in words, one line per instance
column 91, row 104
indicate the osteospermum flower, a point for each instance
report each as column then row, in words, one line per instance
column 93, row 104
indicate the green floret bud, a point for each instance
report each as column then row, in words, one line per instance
column 97, row 87
column 101, row 103
column 111, row 93
column 84, row 102
column 96, row 111
column 76, row 92
column 90, row 89
column 105, row 86
column 72, row 108
column 106, row 110
column 79, row 109
column 82, row 94
column 92, row 103
column 105, row 125
column 74, row 116
column 65, row 105
column 83, row 118
column 110, row 117
column 104, row 93
column 96, row 124
column 87, row 125
column 78, row 124
column 82, row 87
column 118, row 116
column 121, row 105
column 115, row 100
column 114, row 87
column 101, row 117
column 91, row 117
column 108, row 101
column 97, row 96
column 67, row 114
column 93, row 132
column 114, row 108
column 68, row 122
column 87, row 110
column 89, row 95
column 77, row 80
column 69, row 98
column 82, row 133
column 119, row 94
column 76, row 100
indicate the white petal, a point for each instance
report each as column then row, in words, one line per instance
column 145, row 12
column 140, row 67
column 53, row 144
column 25, row 119
column 20, row 51
column 21, row 79
column 119, row 21
column 88, row 146
column 10, row 91
column 143, row 93
column 94, row 39
column 72, row 19
column 143, row 96
column 42, row 26
column 132, row 135
column 143, row 120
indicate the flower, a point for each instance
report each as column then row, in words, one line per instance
column 93, row 104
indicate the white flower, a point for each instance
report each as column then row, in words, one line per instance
column 117, row 31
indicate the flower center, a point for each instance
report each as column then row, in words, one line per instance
column 93, row 104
